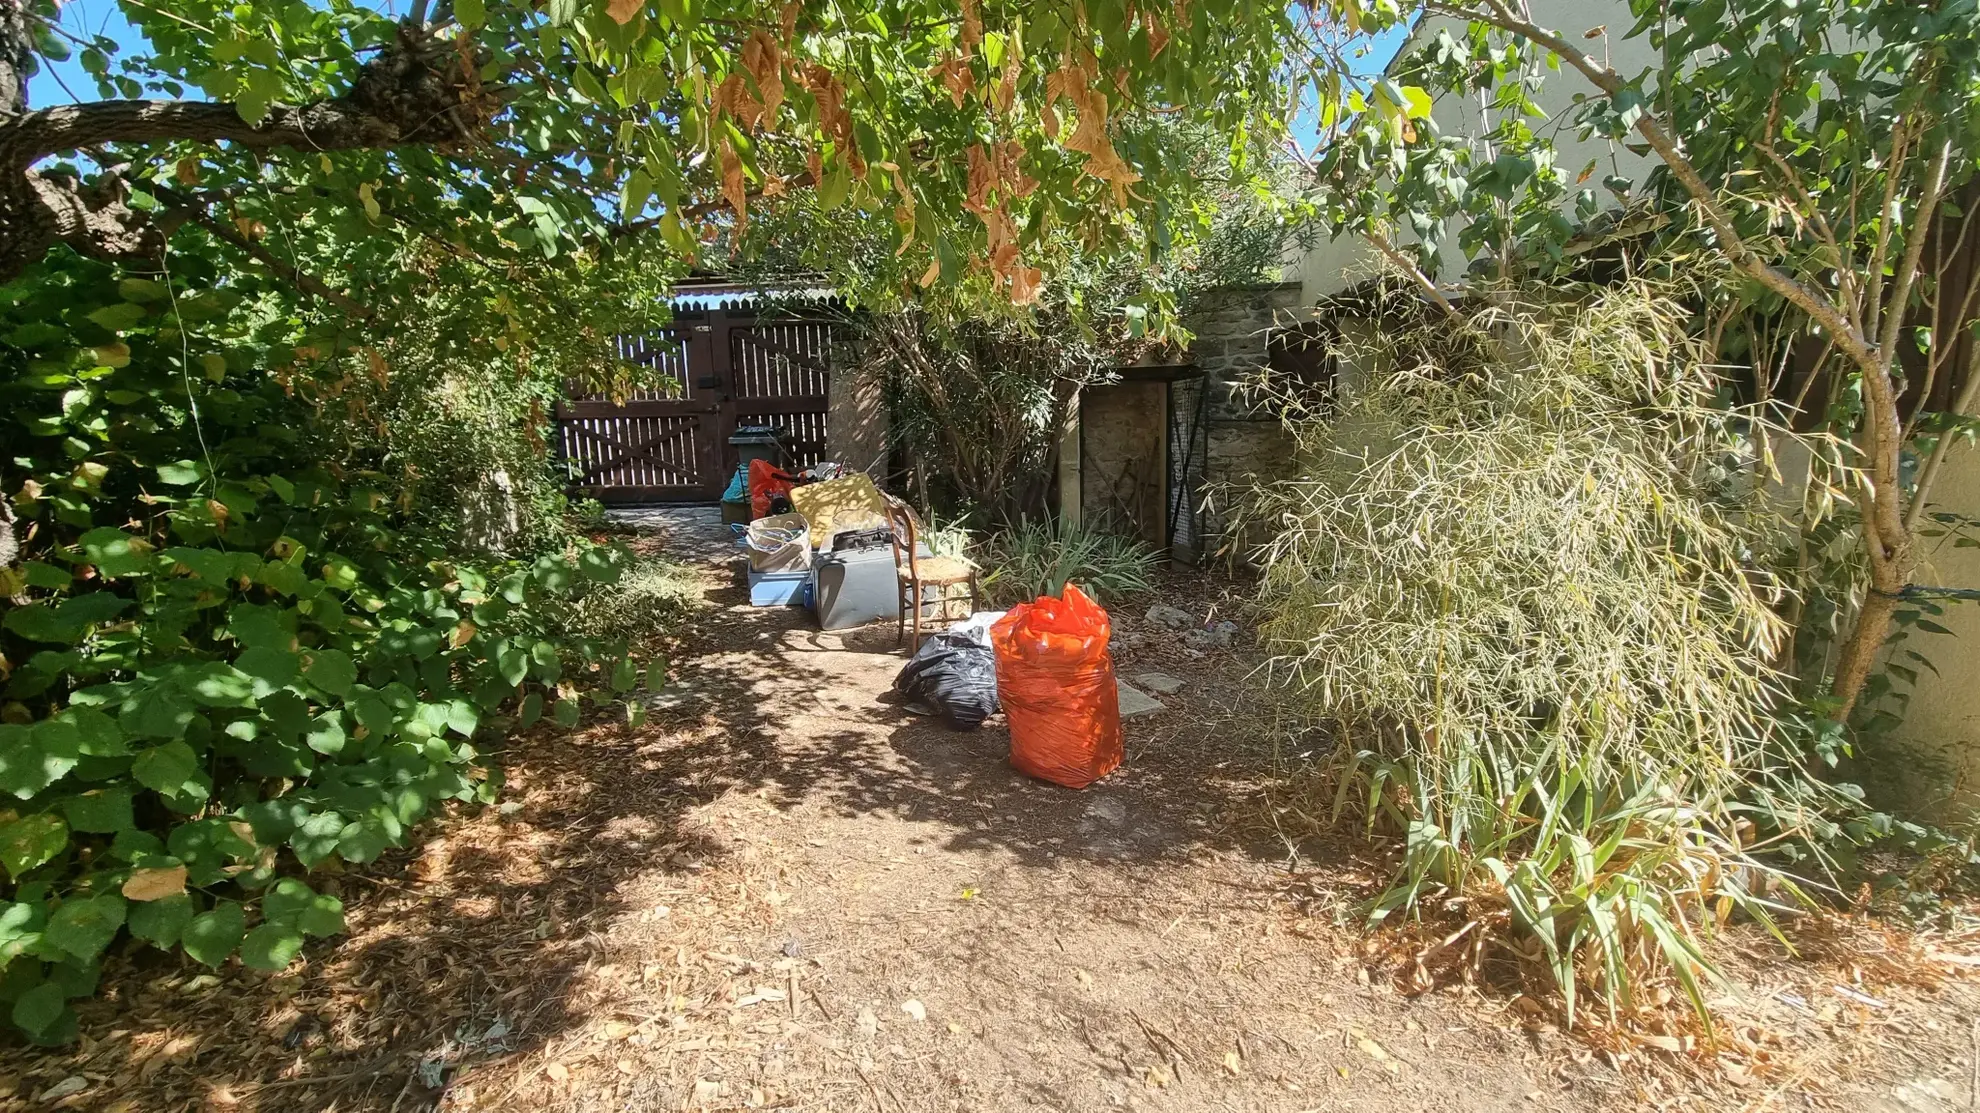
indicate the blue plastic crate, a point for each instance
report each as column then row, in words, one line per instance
column 779, row 589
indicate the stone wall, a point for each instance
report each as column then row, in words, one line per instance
column 1244, row 440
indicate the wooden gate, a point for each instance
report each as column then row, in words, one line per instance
column 729, row 370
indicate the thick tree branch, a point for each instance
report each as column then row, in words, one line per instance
column 418, row 91
column 1809, row 301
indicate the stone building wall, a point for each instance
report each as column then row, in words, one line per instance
column 1244, row 440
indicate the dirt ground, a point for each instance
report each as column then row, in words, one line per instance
column 783, row 892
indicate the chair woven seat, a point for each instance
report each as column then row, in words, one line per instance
column 941, row 570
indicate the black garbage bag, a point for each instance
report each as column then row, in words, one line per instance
column 953, row 675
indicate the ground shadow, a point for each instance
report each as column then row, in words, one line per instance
column 480, row 947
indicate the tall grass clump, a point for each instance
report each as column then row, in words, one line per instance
column 1523, row 574
column 1040, row 556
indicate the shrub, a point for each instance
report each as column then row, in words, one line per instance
column 1040, row 556
column 224, row 664
column 1523, row 577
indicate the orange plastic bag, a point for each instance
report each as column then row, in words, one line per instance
column 766, row 482
column 1055, row 679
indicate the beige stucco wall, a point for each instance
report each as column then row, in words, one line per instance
column 856, row 420
column 1334, row 265
column 1935, row 752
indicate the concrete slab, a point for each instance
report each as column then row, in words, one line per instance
column 1160, row 683
column 1135, row 704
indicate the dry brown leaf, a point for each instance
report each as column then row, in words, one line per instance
column 155, row 884
column 972, row 26
column 1233, row 1063
column 734, row 98
column 734, row 190
column 955, row 74
column 1026, row 285
column 982, row 176
column 789, row 20
column 558, row 1072
column 765, row 63
column 624, row 10
column 933, row 272
column 462, row 634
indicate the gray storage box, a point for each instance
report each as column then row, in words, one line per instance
column 855, row 588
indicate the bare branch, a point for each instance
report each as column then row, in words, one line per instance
column 1415, row 273
column 1810, row 301
column 1916, row 232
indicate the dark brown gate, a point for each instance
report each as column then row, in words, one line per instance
column 732, row 370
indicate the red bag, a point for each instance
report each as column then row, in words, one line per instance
column 765, row 483
column 1055, row 679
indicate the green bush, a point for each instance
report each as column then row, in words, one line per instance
column 1041, row 556
column 1524, row 575
column 224, row 664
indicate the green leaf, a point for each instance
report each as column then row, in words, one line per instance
column 512, row 662
column 270, row 669
column 118, row 317
column 32, row 758
column 212, row 936
column 27, row 843
column 104, row 811
column 326, row 733
column 162, row 922
column 185, row 473
column 39, row 622
column 364, row 840
column 96, row 733
column 624, row 675
column 316, row 838
column 114, row 552
column 166, row 768
column 163, row 712
column 331, row 670
column 261, row 625
column 84, row 927
column 271, row 947
column 462, row 717
column 291, row 903
column 531, row 710
column 566, row 713
column 41, row 1009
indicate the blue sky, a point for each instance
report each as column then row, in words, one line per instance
column 88, row 18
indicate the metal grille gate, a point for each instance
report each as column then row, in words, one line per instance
column 732, row 369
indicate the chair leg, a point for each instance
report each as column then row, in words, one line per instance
column 900, row 618
column 916, row 644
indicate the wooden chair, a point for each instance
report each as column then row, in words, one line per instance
column 920, row 575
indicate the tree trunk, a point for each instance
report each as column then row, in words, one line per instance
column 415, row 92
column 1859, row 652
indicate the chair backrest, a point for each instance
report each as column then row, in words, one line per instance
column 901, row 532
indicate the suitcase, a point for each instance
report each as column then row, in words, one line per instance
column 855, row 588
